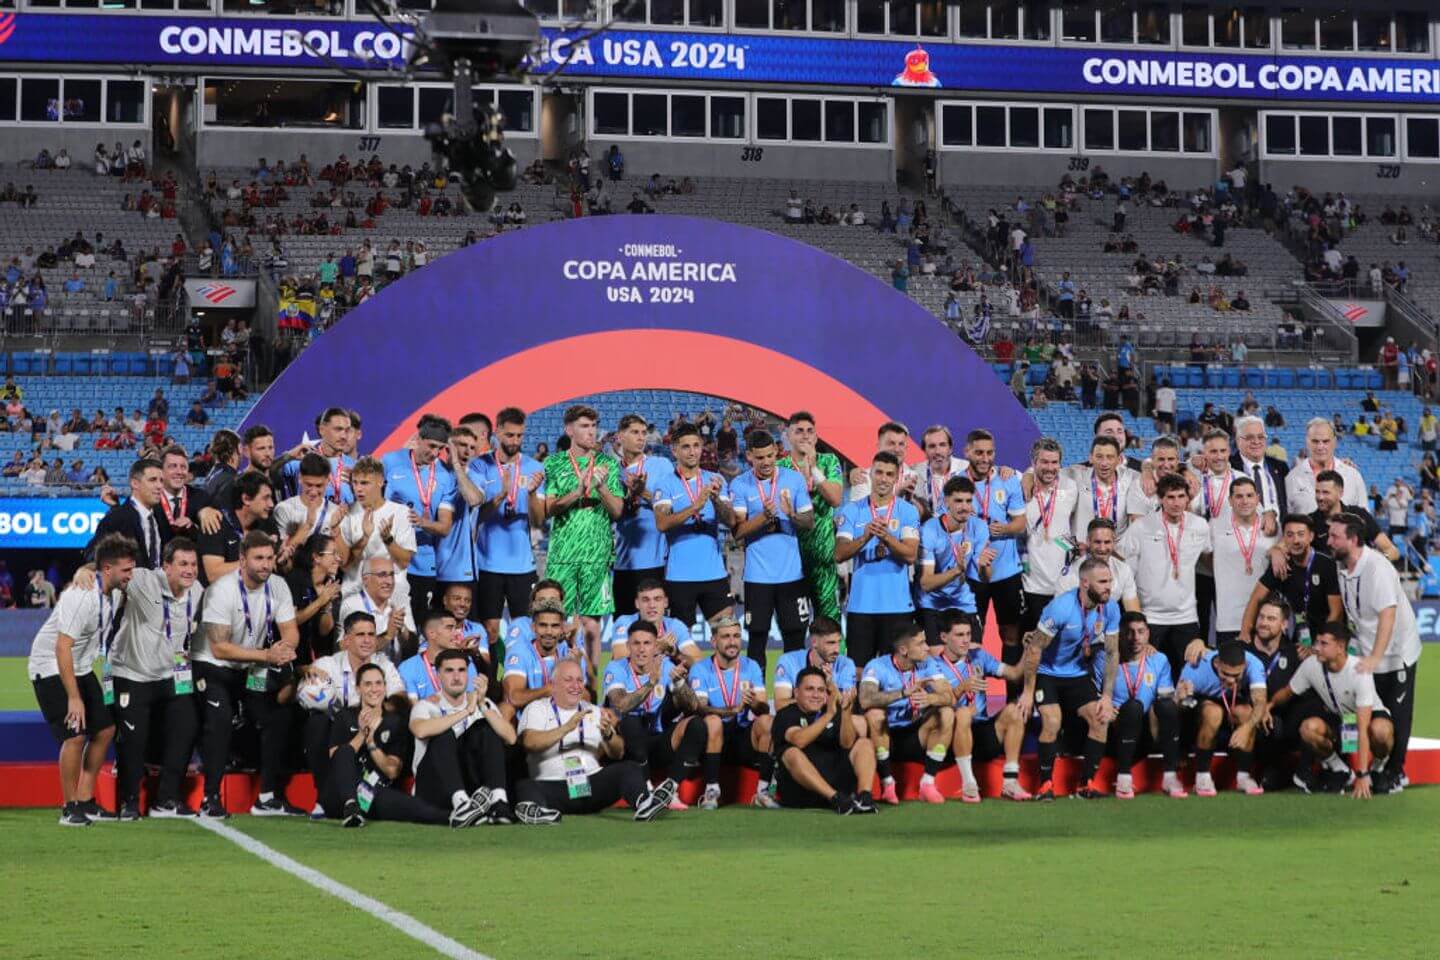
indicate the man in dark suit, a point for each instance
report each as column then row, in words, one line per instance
column 186, row 506
column 139, row 517
column 225, row 455
column 1267, row 472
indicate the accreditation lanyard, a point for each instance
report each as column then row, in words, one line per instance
column 579, row 729
column 106, row 618
column 269, row 619
column 165, row 613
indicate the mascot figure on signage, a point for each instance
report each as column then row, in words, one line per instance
column 917, row 70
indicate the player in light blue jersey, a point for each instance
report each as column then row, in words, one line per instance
column 640, row 547
column 638, row 688
column 690, row 507
column 881, row 533
column 455, row 552
column 1072, row 629
column 530, row 665
column 954, row 550
column 727, row 692
column 473, row 637
column 419, row 673
column 1228, row 688
column 337, row 446
column 908, row 711
column 1000, row 502
column 1144, row 691
column 417, row 479
column 506, row 489
column 965, row 665
column 771, row 507
column 673, row 636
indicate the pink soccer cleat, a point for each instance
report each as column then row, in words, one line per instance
column 888, row 795
column 970, row 795
column 1013, row 791
column 1125, row 793
column 931, row 793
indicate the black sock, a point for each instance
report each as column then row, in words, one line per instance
column 1047, row 760
column 766, row 766
column 1202, row 760
column 1010, row 654
column 1243, row 760
column 1094, row 750
column 710, row 763
column 932, row 766
column 883, row 768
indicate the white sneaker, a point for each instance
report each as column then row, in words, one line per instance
column 764, row 800
column 711, row 799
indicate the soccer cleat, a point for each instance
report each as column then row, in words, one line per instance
column 96, row 813
column 1046, row 793
column 655, row 803
column 1011, row 790
column 764, row 800
column 350, row 817
column 1393, row 784
column 1274, row 781
column 865, row 803
column 275, row 807
column 534, row 813
column 888, row 794
column 1204, row 786
column 1336, row 781
column 1304, row 780
column 1090, row 792
column 213, row 809
column 466, row 814
column 970, row 794
column 1249, row 787
column 500, row 814
column 72, row 816
column 711, row 798
column 130, row 811
column 1125, row 793
column 677, row 804
column 843, row 804
column 171, row 810
column 481, row 797
column 1174, row 789
column 930, row 793
column 317, row 812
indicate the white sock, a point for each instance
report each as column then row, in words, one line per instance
column 459, row 798
column 712, row 786
column 1124, row 781
column 1012, row 771
column 762, row 785
column 1378, row 763
column 498, row 795
column 1171, row 779
column 266, row 797
column 1202, row 778
column 926, row 780
column 888, row 781
column 967, row 770
column 1334, row 762
column 1242, row 778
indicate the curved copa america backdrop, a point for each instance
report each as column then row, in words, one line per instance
column 545, row 314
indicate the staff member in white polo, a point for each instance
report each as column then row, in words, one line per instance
column 1320, row 445
column 154, row 679
column 73, row 701
column 1049, row 523
column 236, row 655
column 1383, row 624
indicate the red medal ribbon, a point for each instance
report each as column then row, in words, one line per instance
column 635, row 681
column 544, row 672
column 589, row 472
column 760, row 488
column 430, row 671
column 731, row 696
column 335, row 475
column 985, row 499
column 694, row 495
column 960, row 676
column 1047, row 510
column 514, row 495
column 425, row 492
column 1174, row 545
column 954, row 550
column 1133, row 688
column 1104, row 508
column 1249, row 553
column 1214, row 505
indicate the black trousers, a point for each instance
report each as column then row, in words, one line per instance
column 1171, row 639
column 623, row 780
column 1396, row 690
column 868, row 635
column 463, row 763
column 421, row 589
column 653, row 750
column 1204, row 603
column 316, row 737
column 137, row 704
column 388, row 803
column 220, row 699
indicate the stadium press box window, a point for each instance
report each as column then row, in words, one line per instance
column 1115, row 21
column 903, row 18
column 995, row 126
column 84, row 100
column 700, row 14
column 654, row 114
column 1004, row 20
column 836, row 121
column 1334, row 136
column 268, row 103
column 107, row 6
column 1362, row 31
column 413, row 106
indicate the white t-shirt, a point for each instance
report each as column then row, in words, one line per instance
column 1097, row 499
column 295, row 512
column 1043, row 545
column 1122, row 580
column 1300, row 487
column 362, row 601
column 1372, row 587
column 1233, row 585
column 85, row 616
column 223, row 606
column 342, row 676
column 1346, row 691
column 1146, row 548
column 435, row 706
column 582, row 742
column 1165, row 400
column 1213, row 500
column 1397, row 506
column 400, row 529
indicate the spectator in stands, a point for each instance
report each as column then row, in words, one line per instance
column 34, row 472
column 159, row 407
column 73, row 283
column 197, row 417
column 15, row 467
column 637, row 205
column 76, row 476
column 55, row 473
column 615, row 163
column 1240, row 302
column 900, row 276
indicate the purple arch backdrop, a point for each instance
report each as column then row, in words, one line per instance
column 552, row 312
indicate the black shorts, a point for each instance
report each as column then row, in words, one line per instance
column 790, row 602
column 1332, row 722
column 986, row 742
column 833, row 765
column 905, row 743
column 1171, row 639
column 495, row 591
column 737, row 748
column 624, row 583
column 50, row 694
column 1007, row 596
column 1069, row 693
column 711, row 596
column 1035, row 604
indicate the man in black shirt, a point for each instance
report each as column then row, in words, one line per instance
column 1309, row 584
column 369, row 747
column 820, row 759
column 1281, row 657
column 249, row 510
column 1329, row 488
